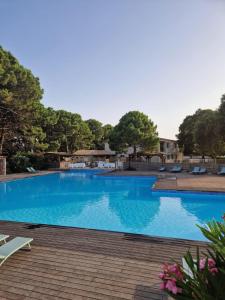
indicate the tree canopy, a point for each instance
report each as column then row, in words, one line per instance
column 221, row 112
column 97, row 132
column 26, row 125
column 203, row 132
column 20, row 95
column 100, row 133
column 134, row 129
column 186, row 138
column 207, row 137
column 107, row 131
column 71, row 132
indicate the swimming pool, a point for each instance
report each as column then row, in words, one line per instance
column 126, row 204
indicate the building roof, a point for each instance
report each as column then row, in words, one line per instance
column 84, row 152
column 94, row 153
column 58, row 153
column 167, row 140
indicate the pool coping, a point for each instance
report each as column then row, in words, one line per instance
column 133, row 236
column 21, row 176
column 188, row 191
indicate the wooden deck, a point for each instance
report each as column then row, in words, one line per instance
column 73, row 263
column 15, row 176
column 183, row 182
column 180, row 181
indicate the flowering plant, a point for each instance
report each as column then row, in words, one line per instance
column 200, row 278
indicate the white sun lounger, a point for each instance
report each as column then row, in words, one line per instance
column 12, row 246
column 3, row 238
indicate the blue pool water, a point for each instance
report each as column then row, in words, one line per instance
column 126, row 204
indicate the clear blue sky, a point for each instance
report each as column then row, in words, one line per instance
column 102, row 58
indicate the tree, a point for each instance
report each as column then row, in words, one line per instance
column 20, row 94
column 82, row 137
column 200, row 133
column 134, row 129
column 48, row 119
column 221, row 111
column 107, row 131
column 97, row 132
column 186, row 135
column 71, row 132
column 207, row 135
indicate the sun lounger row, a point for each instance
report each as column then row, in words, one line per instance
column 175, row 169
column 195, row 171
column 8, row 248
column 77, row 165
column 199, row 170
column 100, row 164
column 222, row 171
column 31, row 170
column 104, row 165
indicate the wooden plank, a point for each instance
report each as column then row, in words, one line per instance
column 74, row 263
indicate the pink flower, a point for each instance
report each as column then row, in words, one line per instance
column 211, row 263
column 163, row 285
column 170, row 275
column 162, row 276
column 172, row 287
column 173, row 270
column 223, row 217
column 213, row 270
column 202, row 264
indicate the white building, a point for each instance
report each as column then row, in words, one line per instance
column 170, row 149
column 166, row 148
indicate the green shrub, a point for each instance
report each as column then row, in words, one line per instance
column 37, row 161
column 22, row 160
column 19, row 162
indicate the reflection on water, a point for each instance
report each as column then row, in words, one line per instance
column 124, row 204
column 3, row 189
column 135, row 211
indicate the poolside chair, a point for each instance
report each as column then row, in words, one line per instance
column 202, row 170
column 3, row 238
column 195, row 171
column 13, row 246
column 222, row 171
column 176, row 169
column 31, row 170
column 101, row 165
column 162, row 169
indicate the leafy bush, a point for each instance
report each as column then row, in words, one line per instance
column 22, row 160
column 37, row 161
column 19, row 163
column 130, row 169
column 205, row 277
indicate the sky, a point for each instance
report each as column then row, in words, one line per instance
column 103, row 58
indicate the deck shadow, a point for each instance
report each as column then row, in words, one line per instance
column 146, row 292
